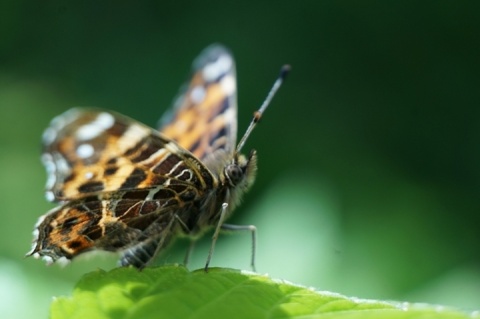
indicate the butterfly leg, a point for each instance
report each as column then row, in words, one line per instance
column 185, row 228
column 215, row 234
column 250, row 228
column 230, row 227
column 190, row 248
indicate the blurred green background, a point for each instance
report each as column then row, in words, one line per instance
column 369, row 156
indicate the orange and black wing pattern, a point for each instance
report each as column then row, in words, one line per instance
column 203, row 119
column 121, row 185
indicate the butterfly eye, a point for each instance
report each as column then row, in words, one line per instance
column 234, row 174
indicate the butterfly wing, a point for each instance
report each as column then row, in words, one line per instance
column 123, row 222
column 204, row 117
column 123, row 186
column 89, row 152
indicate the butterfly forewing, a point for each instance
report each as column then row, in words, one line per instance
column 89, row 152
column 204, row 117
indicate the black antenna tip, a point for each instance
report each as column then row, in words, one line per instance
column 284, row 71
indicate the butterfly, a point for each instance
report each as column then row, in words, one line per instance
column 125, row 187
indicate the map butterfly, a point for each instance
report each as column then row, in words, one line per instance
column 128, row 188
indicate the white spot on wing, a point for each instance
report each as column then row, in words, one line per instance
column 85, row 150
column 47, row 259
column 102, row 122
column 197, row 94
column 64, row 119
column 50, row 167
column 105, row 119
column 49, row 196
column 228, row 84
column 49, row 135
column 134, row 134
column 88, row 175
column 214, row 70
column 63, row 261
column 61, row 164
column 230, row 115
column 58, row 123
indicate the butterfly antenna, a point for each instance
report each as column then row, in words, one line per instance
column 257, row 116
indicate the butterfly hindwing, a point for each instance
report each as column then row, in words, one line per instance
column 112, row 222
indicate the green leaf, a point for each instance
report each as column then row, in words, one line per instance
column 175, row 292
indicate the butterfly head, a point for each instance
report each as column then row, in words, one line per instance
column 240, row 172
